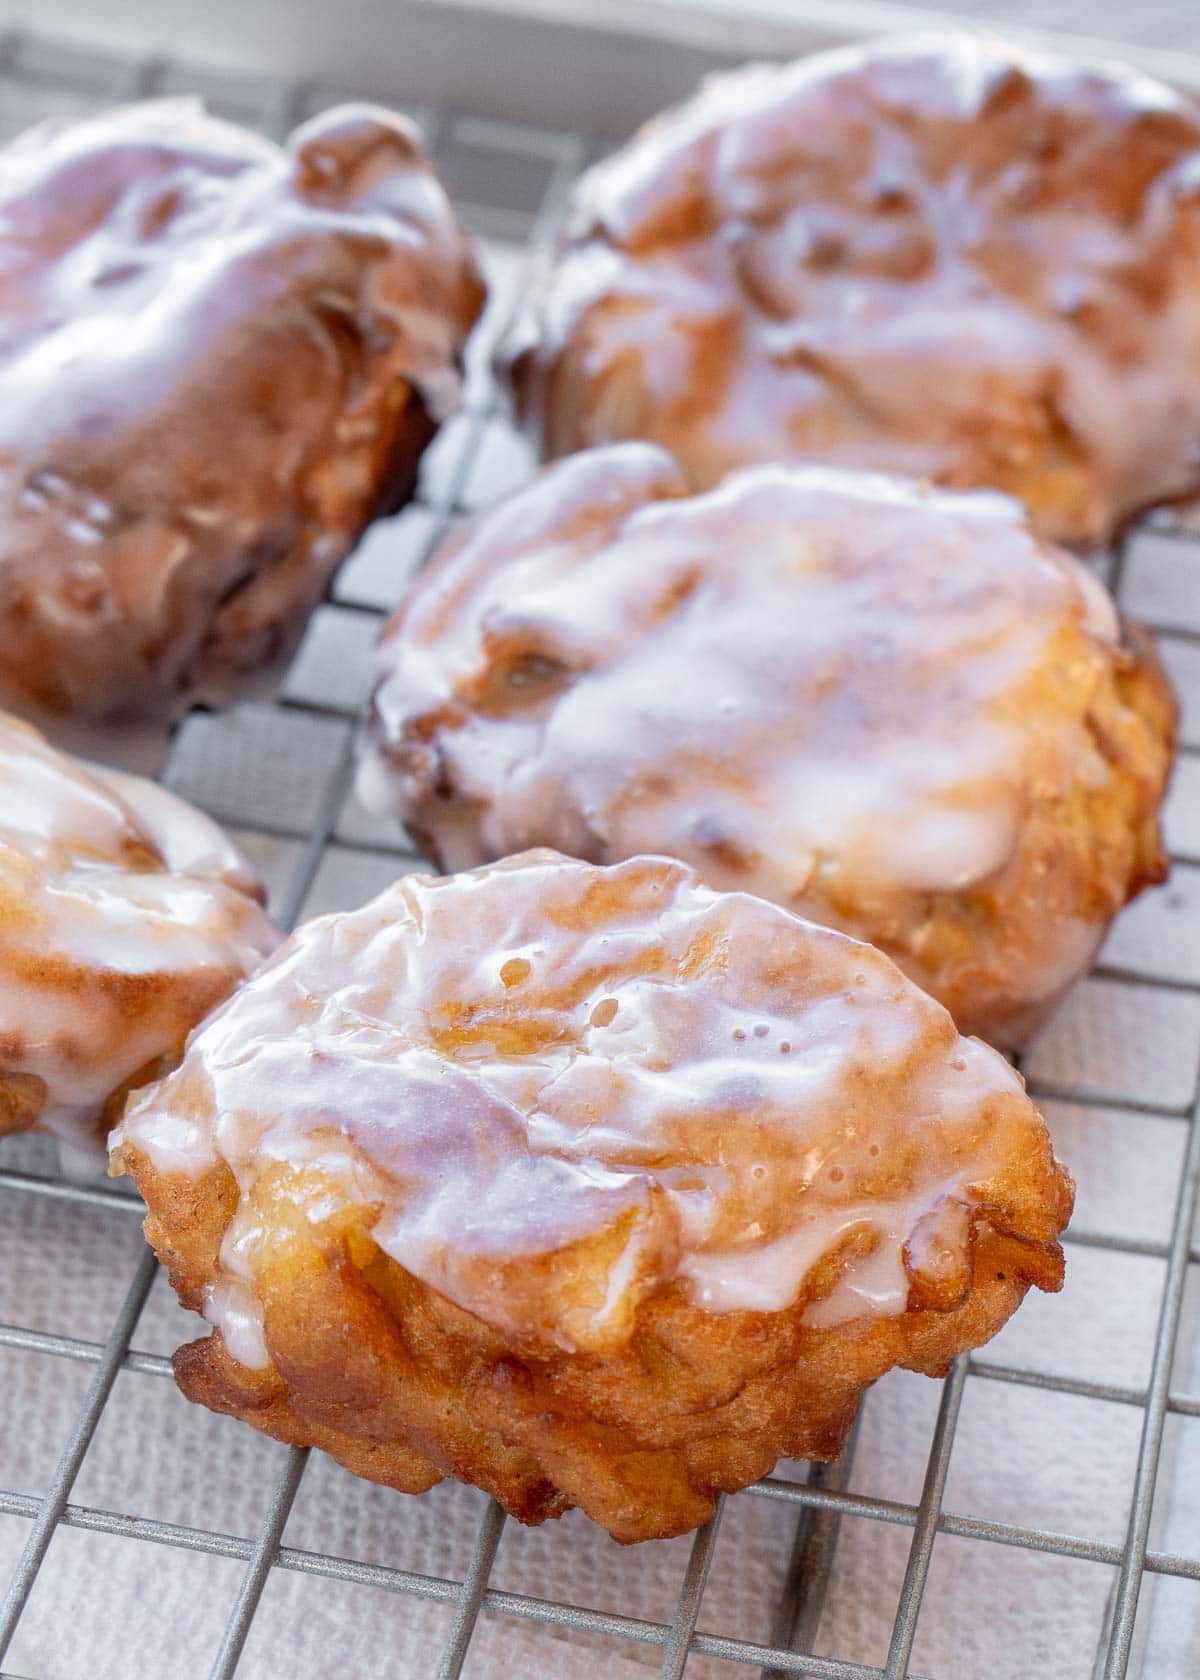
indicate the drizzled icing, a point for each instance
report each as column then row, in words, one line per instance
column 648, row 1081
column 124, row 915
column 221, row 358
column 948, row 257
column 843, row 692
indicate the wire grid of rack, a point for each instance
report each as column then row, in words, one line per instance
column 280, row 775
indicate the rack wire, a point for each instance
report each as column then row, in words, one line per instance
column 280, row 774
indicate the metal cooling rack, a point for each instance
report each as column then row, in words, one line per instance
column 280, row 776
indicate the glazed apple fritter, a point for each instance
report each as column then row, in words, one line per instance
column 125, row 915
column 589, row 1186
column 888, row 707
column 945, row 256
column 221, row 359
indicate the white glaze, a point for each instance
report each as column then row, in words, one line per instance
column 231, row 1307
column 505, row 1064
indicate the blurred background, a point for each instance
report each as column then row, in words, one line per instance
column 502, row 58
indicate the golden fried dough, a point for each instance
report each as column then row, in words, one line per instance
column 945, row 256
column 888, row 707
column 125, row 915
column 220, row 359
column 588, row 1186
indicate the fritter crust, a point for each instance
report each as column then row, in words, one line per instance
column 587, row 1186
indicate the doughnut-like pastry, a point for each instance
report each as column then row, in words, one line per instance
column 944, row 256
column 588, row 1186
column 889, row 707
column 221, row 358
column 125, row 915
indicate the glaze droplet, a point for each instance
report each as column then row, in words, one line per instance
column 515, row 970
